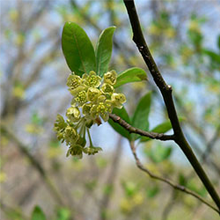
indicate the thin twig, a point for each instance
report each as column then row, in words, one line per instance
column 210, row 145
column 169, row 182
column 131, row 129
column 169, row 206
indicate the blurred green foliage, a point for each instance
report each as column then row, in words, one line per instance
column 185, row 42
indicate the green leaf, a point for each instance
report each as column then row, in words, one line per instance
column 103, row 50
column 161, row 128
column 130, row 188
column 152, row 191
column 159, row 153
column 63, row 214
column 37, row 214
column 131, row 75
column 78, row 49
column 212, row 55
column 194, row 186
column 140, row 118
column 122, row 113
column 182, row 179
column 218, row 42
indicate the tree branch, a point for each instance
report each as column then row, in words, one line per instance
column 128, row 127
column 169, row 182
column 166, row 91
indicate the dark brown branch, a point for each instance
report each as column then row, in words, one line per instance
column 169, row 182
column 166, row 92
column 128, row 127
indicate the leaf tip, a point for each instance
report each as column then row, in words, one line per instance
column 142, row 77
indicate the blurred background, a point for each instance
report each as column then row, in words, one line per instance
column 184, row 37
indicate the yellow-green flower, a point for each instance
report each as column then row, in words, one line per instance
column 76, row 91
column 70, row 135
column 118, row 99
column 91, row 80
column 107, row 88
column 80, row 98
column 73, row 114
column 92, row 150
column 86, row 110
column 73, row 81
column 60, row 123
column 110, row 77
column 103, row 109
column 76, row 151
column 92, row 94
column 95, row 103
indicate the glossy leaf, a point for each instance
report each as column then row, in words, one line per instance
column 124, row 115
column 103, row 50
column 131, row 75
column 38, row 214
column 78, row 49
column 140, row 118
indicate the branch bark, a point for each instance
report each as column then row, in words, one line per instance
column 169, row 182
column 128, row 127
column 166, row 91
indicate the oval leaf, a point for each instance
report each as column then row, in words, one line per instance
column 77, row 49
column 161, row 128
column 124, row 115
column 140, row 118
column 131, row 75
column 38, row 214
column 103, row 50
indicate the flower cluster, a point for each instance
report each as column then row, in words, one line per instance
column 92, row 98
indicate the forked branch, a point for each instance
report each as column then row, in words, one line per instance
column 166, row 92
